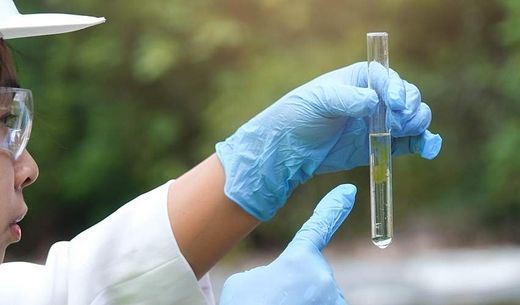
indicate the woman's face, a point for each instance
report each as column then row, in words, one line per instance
column 15, row 175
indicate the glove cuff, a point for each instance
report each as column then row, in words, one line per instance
column 260, row 183
column 244, row 183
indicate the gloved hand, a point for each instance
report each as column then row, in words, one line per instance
column 300, row 275
column 319, row 127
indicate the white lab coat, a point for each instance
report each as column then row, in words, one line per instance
column 131, row 257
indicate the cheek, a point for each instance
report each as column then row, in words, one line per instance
column 6, row 178
column 7, row 195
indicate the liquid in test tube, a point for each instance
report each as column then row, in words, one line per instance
column 380, row 149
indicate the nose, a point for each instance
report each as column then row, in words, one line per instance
column 26, row 170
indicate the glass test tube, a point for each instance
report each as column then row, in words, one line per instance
column 380, row 146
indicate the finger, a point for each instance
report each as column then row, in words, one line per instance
column 396, row 93
column 427, row 144
column 412, row 101
column 343, row 101
column 413, row 97
column 388, row 85
column 415, row 125
column 386, row 82
column 330, row 213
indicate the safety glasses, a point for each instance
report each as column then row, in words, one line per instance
column 16, row 116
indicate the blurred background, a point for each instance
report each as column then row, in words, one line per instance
column 128, row 105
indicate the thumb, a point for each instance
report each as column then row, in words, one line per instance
column 330, row 213
column 427, row 144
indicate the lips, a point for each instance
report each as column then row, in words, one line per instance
column 20, row 216
column 16, row 231
column 14, row 227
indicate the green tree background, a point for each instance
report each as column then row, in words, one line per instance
column 128, row 105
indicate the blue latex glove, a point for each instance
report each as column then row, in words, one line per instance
column 319, row 127
column 300, row 275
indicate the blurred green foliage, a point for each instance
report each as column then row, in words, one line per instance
column 125, row 106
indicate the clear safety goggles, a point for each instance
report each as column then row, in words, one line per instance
column 16, row 116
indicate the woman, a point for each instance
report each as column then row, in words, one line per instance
column 158, row 248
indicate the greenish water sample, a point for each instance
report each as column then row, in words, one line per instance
column 381, row 189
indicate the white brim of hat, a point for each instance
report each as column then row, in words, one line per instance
column 30, row 25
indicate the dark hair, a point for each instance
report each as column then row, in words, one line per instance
column 7, row 67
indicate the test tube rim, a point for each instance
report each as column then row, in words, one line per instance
column 377, row 34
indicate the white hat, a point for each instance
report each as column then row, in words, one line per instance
column 15, row 25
